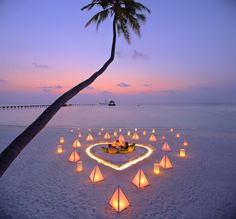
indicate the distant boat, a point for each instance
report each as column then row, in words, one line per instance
column 111, row 103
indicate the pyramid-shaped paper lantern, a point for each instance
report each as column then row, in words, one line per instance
column 121, row 138
column 107, row 136
column 96, row 175
column 76, row 144
column 115, row 133
column 166, row 147
column 144, row 133
column 118, row 201
column 140, row 179
column 166, row 163
column 89, row 137
column 153, row 138
column 135, row 136
column 177, row 135
column 74, row 157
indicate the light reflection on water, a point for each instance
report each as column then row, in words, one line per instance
column 211, row 117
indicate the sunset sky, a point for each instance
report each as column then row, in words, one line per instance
column 187, row 53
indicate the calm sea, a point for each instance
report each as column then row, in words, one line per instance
column 210, row 117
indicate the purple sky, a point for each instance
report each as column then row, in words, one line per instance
column 186, row 53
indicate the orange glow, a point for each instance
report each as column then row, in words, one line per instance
column 166, row 147
column 156, row 168
column 115, row 133
column 89, row 137
column 61, row 140
column 78, row 129
column 118, row 201
column 74, row 157
column 153, row 138
column 129, row 133
column 120, row 129
column 59, row 149
column 71, row 130
column 102, row 129
column 96, row 175
column 140, row 179
column 89, row 129
column 76, row 144
column 135, row 136
column 144, row 133
column 182, row 153
column 136, row 129
column 79, row 166
column 166, row 163
column 177, row 135
column 171, row 130
column 107, row 136
column 185, row 143
column 79, row 135
column 121, row 138
column 153, row 131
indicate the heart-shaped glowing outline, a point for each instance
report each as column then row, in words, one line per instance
column 124, row 165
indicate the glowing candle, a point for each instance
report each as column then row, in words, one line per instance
column 129, row 133
column 59, row 149
column 178, row 135
column 153, row 131
column 171, row 130
column 185, row 143
column 144, row 133
column 79, row 166
column 61, row 140
column 115, row 133
column 182, row 153
column 156, row 168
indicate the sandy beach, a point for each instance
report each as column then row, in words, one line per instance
column 43, row 184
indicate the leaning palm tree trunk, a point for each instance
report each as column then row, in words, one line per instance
column 9, row 154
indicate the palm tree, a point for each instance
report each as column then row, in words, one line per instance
column 126, row 14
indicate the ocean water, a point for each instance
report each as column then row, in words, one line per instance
column 204, row 117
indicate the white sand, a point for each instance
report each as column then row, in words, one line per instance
column 42, row 184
